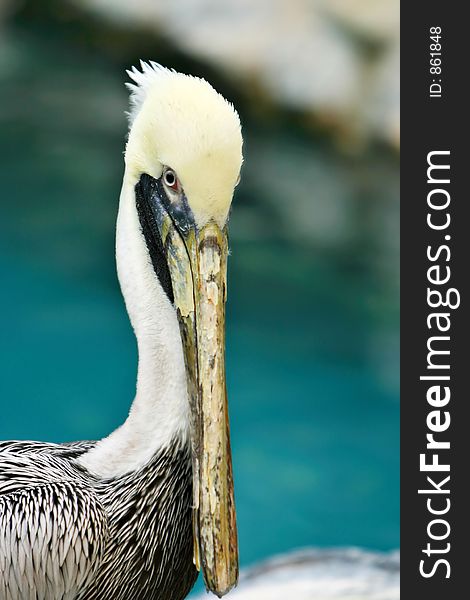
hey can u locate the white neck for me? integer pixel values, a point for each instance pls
(160, 411)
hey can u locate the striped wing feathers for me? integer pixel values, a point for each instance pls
(51, 540)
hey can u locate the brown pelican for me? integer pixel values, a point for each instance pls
(137, 514)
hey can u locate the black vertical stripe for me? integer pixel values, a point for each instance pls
(145, 189)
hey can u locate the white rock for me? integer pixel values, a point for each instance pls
(308, 55)
(341, 574)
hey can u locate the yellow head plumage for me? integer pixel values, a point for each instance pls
(181, 122)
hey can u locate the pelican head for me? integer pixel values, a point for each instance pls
(182, 163)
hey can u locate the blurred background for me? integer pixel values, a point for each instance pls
(313, 338)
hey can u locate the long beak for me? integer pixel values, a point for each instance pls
(197, 262)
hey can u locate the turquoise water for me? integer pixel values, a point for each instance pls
(312, 324)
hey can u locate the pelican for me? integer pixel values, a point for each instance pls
(137, 514)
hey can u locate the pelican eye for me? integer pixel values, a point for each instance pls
(170, 179)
